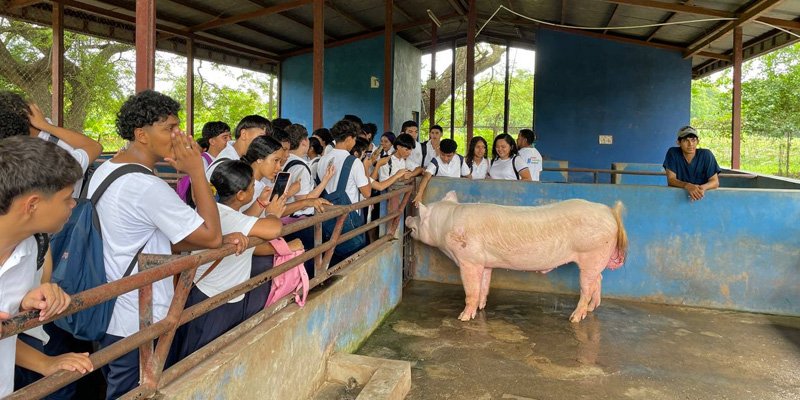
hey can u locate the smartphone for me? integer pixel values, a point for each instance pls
(368, 153)
(281, 182)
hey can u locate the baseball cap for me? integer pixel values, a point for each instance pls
(687, 131)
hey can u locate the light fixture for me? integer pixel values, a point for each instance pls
(434, 19)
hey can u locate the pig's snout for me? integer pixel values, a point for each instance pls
(413, 223)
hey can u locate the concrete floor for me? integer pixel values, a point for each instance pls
(524, 347)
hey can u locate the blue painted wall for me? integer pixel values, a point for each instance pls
(346, 88)
(735, 249)
(586, 87)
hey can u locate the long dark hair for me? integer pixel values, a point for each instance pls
(230, 177)
(260, 148)
(471, 149)
(509, 140)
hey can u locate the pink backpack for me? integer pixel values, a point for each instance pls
(185, 184)
(294, 280)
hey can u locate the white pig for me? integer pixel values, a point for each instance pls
(479, 237)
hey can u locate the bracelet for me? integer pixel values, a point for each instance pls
(264, 206)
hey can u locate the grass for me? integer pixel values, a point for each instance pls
(759, 154)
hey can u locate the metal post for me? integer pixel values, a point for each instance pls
(145, 44)
(432, 96)
(388, 49)
(57, 76)
(736, 108)
(472, 17)
(319, 61)
(190, 86)
(506, 104)
(453, 93)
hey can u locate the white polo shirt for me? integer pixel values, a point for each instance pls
(16, 279)
(415, 158)
(430, 153)
(300, 173)
(358, 178)
(480, 169)
(139, 210)
(80, 155)
(258, 187)
(386, 171)
(233, 269)
(454, 169)
(503, 169)
(228, 153)
(533, 160)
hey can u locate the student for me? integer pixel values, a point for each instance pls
(313, 154)
(448, 165)
(233, 180)
(38, 199)
(526, 140)
(216, 135)
(81, 147)
(325, 138)
(415, 160)
(476, 159)
(300, 171)
(281, 136)
(141, 213)
(281, 123)
(265, 156)
(431, 146)
(397, 164)
(386, 147)
(506, 163)
(356, 120)
(249, 128)
(690, 168)
(368, 132)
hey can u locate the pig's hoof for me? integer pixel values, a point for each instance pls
(578, 315)
(482, 305)
(467, 315)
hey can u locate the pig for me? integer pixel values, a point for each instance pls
(479, 237)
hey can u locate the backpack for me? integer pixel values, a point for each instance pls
(460, 158)
(295, 280)
(292, 163)
(184, 186)
(42, 245)
(424, 153)
(78, 260)
(353, 219)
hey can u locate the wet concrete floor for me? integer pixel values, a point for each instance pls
(524, 347)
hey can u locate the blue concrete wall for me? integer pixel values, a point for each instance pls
(735, 249)
(346, 88)
(587, 87)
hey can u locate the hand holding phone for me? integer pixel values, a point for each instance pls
(281, 182)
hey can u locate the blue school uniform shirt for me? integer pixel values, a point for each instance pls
(698, 172)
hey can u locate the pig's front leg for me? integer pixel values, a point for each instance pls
(487, 279)
(589, 280)
(471, 277)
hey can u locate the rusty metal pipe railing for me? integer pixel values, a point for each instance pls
(152, 360)
(651, 173)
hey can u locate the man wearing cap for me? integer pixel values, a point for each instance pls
(690, 168)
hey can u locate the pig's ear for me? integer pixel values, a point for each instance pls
(451, 196)
(423, 211)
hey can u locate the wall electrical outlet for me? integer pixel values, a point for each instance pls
(606, 139)
(374, 83)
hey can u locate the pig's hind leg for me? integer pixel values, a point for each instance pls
(485, 282)
(590, 290)
(471, 277)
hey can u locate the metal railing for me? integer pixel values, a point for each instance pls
(154, 268)
(595, 173)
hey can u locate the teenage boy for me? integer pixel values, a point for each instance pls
(300, 172)
(249, 128)
(448, 165)
(215, 137)
(690, 168)
(430, 147)
(84, 149)
(35, 196)
(141, 213)
(415, 160)
(526, 140)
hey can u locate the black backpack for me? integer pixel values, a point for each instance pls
(460, 158)
(42, 245)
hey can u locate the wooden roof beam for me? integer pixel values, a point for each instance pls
(14, 4)
(347, 16)
(748, 14)
(681, 8)
(218, 22)
(611, 18)
(669, 18)
(458, 7)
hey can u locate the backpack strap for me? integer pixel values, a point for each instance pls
(42, 245)
(292, 163)
(207, 157)
(435, 163)
(217, 162)
(424, 153)
(341, 186)
(208, 271)
(514, 166)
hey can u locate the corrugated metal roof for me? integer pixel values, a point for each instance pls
(262, 40)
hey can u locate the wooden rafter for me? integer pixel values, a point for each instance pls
(669, 18)
(516, 28)
(611, 18)
(748, 14)
(218, 22)
(457, 7)
(298, 21)
(347, 16)
(408, 16)
(563, 12)
(14, 4)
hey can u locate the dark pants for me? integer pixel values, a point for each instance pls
(122, 374)
(204, 329)
(22, 376)
(255, 299)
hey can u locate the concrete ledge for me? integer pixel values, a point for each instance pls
(385, 379)
(285, 356)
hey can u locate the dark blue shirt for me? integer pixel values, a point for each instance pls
(698, 172)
